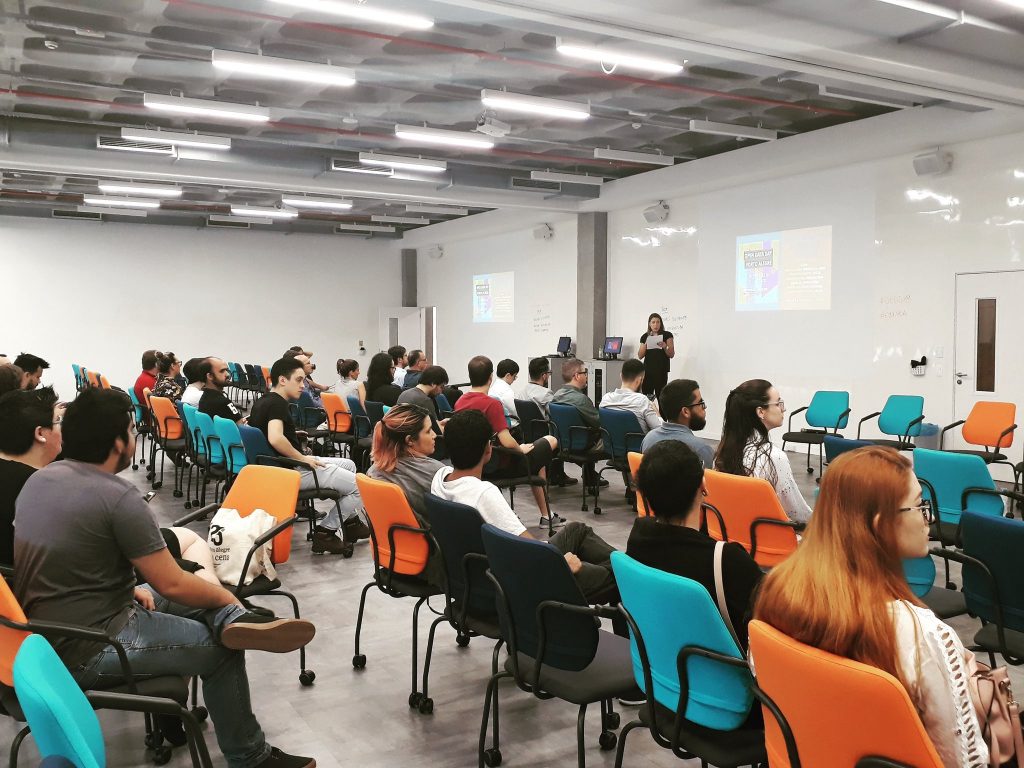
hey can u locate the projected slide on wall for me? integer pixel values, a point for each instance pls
(494, 298)
(784, 270)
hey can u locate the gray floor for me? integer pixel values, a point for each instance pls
(354, 717)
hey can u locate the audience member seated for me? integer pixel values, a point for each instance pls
(538, 453)
(403, 444)
(400, 360)
(81, 533)
(348, 381)
(30, 438)
(752, 410)
(270, 415)
(418, 363)
(32, 367)
(216, 376)
(501, 389)
(537, 388)
(147, 379)
(628, 397)
(844, 591)
(469, 446)
(193, 392)
(11, 378)
(168, 371)
(311, 386)
(671, 480)
(380, 386)
(574, 393)
(5, 360)
(430, 384)
(685, 412)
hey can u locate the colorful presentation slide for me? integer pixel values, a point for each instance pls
(785, 270)
(494, 298)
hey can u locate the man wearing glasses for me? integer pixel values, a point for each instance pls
(574, 393)
(685, 412)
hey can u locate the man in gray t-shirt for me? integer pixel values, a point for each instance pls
(80, 533)
(432, 382)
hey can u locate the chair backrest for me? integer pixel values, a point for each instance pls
(442, 403)
(673, 612)
(456, 529)
(564, 417)
(338, 417)
(94, 379)
(103, 382)
(62, 720)
(195, 438)
(741, 501)
(165, 417)
(275, 490)
(375, 412)
(950, 474)
(837, 446)
(530, 572)
(208, 434)
(827, 409)
(839, 710)
(308, 418)
(997, 542)
(230, 440)
(77, 370)
(255, 444)
(898, 412)
(530, 418)
(140, 410)
(986, 423)
(920, 574)
(634, 459)
(624, 431)
(386, 506)
(10, 638)
(360, 421)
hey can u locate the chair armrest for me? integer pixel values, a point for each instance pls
(391, 543)
(1008, 431)
(638, 439)
(874, 761)
(588, 431)
(548, 606)
(682, 659)
(705, 508)
(843, 415)
(789, 424)
(198, 514)
(358, 418)
(906, 434)
(866, 418)
(260, 540)
(517, 456)
(467, 577)
(1002, 492)
(784, 727)
(315, 409)
(545, 422)
(945, 429)
(758, 521)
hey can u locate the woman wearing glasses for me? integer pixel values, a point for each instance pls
(752, 410)
(843, 591)
(657, 348)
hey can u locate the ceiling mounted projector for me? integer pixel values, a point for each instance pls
(656, 213)
(543, 232)
(492, 126)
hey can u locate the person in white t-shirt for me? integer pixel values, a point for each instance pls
(468, 437)
(401, 360)
(501, 389)
(194, 391)
(628, 397)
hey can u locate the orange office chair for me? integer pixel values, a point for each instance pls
(95, 380)
(103, 382)
(746, 509)
(169, 436)
(990, 425)
(339, 419)
(401, 548)
(266, 377)
(276, 491)
(840, 712)
(634, 458)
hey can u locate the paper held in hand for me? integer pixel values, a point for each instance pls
(653, 340)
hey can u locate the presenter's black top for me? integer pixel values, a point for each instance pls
(656, 362)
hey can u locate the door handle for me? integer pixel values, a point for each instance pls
(962, 375)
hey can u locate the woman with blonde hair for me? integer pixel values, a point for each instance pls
(844, 591)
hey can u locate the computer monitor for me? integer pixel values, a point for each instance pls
(564, 343)
(612, 346)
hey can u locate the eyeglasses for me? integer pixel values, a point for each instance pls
(583, 372)
(926, 509)
(699, 403)
(780, 402)
(58, 421)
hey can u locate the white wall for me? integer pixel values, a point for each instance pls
(100, 294)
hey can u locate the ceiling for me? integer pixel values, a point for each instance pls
(76, 73)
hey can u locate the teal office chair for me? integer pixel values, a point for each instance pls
(215, 466)
(944, 602)
(900, 418)
(828, 410)
(141, 426)
(79, 378)
(230, 440)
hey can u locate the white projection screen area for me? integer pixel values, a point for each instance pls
(494, 298)
(785, 270)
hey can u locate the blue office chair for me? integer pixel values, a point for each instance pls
(828, 410)
(901, 417)
(624, 435)
(944, 602)
(362, 428)
(443, 406)
(574, 438)
(230, 440)
(836, 446)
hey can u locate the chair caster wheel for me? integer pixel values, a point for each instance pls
(162, 755)
(950, 585)
(492, 757)
(348, 553)
(810, 471)
(426, 707)
(462, 640)
(188, 505)
(177, 494)
(154, 740)
(157, 486)
(309, 537)
(359, 660)
(597, 510)
(415, 698)
(307, 676)
(607, 740)
(200, 714)
(611, 721)
(135, 467)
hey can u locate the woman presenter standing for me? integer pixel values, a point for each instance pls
(657, 347)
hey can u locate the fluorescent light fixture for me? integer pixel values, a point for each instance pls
(566, 178)
(445, 138)
(842, 93)
(950, 14)
(1018, 174)
(108, 212)
(282, 69)
(438, 209)
(318, 203)
(206, 108)
(403, 163)
(633, 157)
(177, 138)
(398, 220)
(361, 13)
(618, 58)
(727, 129)
(341, 228)
(534, 105)
(120, 202)
(267, 213)
(139, 189)
(240, 219)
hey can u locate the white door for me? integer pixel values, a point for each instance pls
(987, 364)
(402, 325)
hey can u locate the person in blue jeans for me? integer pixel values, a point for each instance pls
(81, 533)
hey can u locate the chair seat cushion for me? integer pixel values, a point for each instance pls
(610, 674)
(988, 638)
(725, 749)
(810, 438)
(946, 533)
(578, 457)
(261, 585)
(412, 586)
(324, 494)
(899, 445)
(946, 603)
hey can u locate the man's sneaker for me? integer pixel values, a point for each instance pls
(279, 759)
(557, 521)
(255, 632)
(354, 529)
(632, 702)
(328, 543)
(564, 480)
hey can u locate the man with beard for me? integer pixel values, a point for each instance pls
(685, 412)
(215, 376)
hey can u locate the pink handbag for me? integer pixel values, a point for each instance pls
(998, 713)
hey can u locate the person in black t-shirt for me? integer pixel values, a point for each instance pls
(216, 376)
(671, 480)
(30, 438)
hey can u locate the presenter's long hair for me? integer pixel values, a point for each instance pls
(661, 323)
(835, 592)
(393, 433)
(740, 424)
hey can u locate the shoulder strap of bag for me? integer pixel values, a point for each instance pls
(720, 594)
